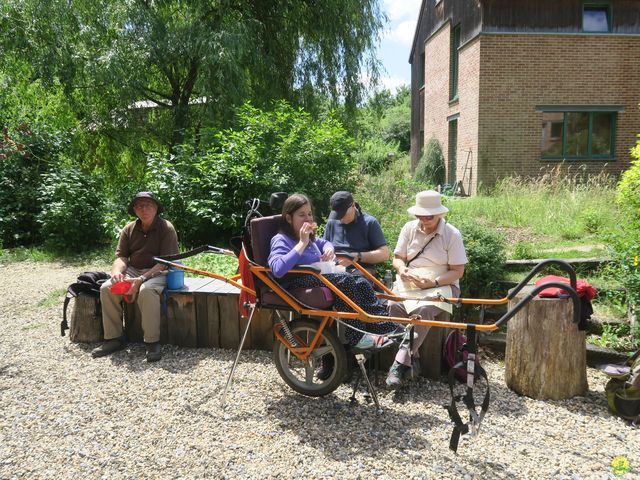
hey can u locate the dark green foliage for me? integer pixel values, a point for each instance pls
(374, 155)
(430, 168)
(626, 244)
(25, 155)
(279, 150)
(396, 126)
(73, 210)
(486, 254)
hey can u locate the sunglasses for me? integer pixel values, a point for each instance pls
(425, 217)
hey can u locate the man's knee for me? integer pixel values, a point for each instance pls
(396, 309)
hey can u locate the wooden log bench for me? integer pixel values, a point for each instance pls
(205, 314)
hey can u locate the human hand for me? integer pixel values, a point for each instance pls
(405, 274)
(117, 277)
(306, 230)
(422, 283)
(328, 253)
(135, 285)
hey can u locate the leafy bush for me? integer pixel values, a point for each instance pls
(524, 250)
(592, 220)
(73, 213)
(486, 254)
(430, 168)
(396, 126)
(25, 155)
(626, 244)
(374, 155)
(284, 149)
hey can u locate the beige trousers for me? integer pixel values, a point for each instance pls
(148, 300)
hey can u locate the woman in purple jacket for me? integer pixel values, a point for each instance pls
(296, 244)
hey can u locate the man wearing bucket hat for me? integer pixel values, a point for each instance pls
(349, 229)
(430, 254)
(141, 240)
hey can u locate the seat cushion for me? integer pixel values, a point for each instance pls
(316, 297)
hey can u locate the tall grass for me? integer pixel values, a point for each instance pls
(556, 206)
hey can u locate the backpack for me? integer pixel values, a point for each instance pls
(454, 351)
(88, 283)
(623, 388)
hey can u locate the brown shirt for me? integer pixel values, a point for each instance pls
(139, 247)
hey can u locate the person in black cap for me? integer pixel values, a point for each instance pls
(141, 240)
(351, 230)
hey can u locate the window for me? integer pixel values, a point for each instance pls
(596, 18)
(421, 72)
(453, 65)
(578, 135)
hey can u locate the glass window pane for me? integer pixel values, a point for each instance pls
(552, 127)
(601, 135)
(577, 134)
(595, 19)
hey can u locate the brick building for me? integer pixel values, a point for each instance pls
(513, 87)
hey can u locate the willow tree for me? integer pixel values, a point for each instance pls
(164, 67)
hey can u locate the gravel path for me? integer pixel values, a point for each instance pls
(66, 415)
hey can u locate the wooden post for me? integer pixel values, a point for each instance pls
(546, 356)
(182, 329)
(86, 320)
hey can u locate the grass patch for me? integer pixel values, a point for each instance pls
(53, 298)
(215, 263)
(32, 326)
(616, 336)
(38, 254)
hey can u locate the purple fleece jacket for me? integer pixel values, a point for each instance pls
(282, 256)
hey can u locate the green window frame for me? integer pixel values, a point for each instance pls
(578, 134)
(597, 6)
(454, 66)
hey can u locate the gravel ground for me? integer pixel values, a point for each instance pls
(66, 415)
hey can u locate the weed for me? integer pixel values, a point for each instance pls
(53, 298)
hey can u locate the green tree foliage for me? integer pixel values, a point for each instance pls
(282, 149)
(25, 155)
(383, 130)
(627, 244)
(73, 212)
(430, 169)
(191, 61)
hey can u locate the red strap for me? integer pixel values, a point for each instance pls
(247, 281)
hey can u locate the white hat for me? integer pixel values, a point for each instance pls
(428, 203)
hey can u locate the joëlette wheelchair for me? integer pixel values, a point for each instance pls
(308, 332)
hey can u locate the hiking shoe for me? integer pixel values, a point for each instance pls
(108, 347)
(372, 342)
(325, 367)
(154, 351)
(395, 378)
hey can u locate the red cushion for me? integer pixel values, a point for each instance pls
(583, 289)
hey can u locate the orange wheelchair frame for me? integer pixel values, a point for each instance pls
(306, 340)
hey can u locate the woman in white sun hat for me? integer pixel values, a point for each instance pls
(429, 255)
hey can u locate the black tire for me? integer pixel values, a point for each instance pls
(301, 376)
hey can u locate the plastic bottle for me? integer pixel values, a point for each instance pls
(388, 279)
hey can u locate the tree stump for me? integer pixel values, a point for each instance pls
(86, 320)
(546, 355)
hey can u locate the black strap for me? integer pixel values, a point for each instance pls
(474, 371)
(421, 250)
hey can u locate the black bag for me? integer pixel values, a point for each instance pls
(88, 283)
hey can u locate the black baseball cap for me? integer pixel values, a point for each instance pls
(340, 203)
(143, 195)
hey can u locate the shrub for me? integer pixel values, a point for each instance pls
(73, 213)
(25, 155)
(430, 168)
(374, 155)
(486, 254)
(283, 149)
(626, 244)
(396, 126)
(524, 250)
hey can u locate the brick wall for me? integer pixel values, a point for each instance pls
(504, 77)
(518, 72)
(438, 107)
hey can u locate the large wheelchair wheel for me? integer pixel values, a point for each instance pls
(301, 376)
